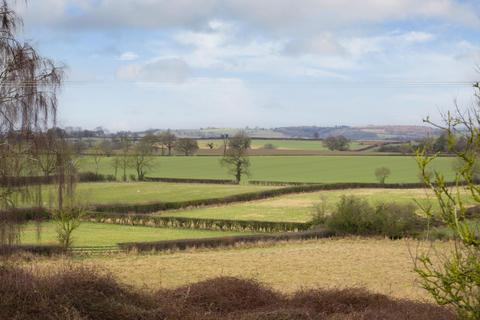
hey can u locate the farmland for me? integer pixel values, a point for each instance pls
(96, 234)
(323, 169)
(285, 266)
(315, 145)
(299, 207)
(141, 192)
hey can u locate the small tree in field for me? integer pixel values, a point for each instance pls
(381, 174)
(97, 154)
(141, 160)
(186, 146)
(455, 281)
(339, 143)
(236, 156)
(67, 221)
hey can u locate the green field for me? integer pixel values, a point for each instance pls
(288, 168)
(280, 144)
(97, 234)
(142, 192)
(299, 207)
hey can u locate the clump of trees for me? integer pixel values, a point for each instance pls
(186, 146)
(455, 281)
(356, 216)
(382, 174)
(236, 156)
(338, 143)
(167, 142)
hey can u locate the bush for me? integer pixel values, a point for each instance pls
(132, 177)
(356, 216)
(269, 146)
(89, 176)
(84, 293)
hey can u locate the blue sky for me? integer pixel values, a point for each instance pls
(138, 64)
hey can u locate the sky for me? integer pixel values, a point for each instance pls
(140, 64)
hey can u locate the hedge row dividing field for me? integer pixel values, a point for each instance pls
(299, 207)
(316, 169)
(221, 242)
(99, 234)
(94, 193)
(199, 223)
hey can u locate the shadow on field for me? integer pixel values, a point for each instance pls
(83, 293)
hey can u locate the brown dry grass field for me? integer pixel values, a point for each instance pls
(380, 265)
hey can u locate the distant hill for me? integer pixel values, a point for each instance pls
(311, 132)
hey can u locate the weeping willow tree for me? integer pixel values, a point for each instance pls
(28, 105)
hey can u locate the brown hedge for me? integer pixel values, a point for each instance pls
(198, 223)
(84, 293)
(221, 241)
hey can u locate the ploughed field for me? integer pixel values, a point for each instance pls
(300, 207)
(312, 169)
(99, 234)
(312, 145)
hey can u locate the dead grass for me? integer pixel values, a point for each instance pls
(380, 265)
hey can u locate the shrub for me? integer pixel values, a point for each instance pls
(269, 146)
(132, 177)
(84, 293)
(356, 216)
(89, 176)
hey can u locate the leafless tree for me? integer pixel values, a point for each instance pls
(168, 140)
(236, 157)
(141, 159)
(28, 103)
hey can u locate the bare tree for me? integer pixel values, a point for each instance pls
(44, 154)
(236, 157)
(142, 158)
(186, 146)
(168, 139)
(97, 154)
(125, 155)
(115, 163)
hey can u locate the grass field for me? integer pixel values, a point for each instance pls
(288, 168)
(280, 144)
(285, 266)
(298, 207)
(141, 192)
(98, 234)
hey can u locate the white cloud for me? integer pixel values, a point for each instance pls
(128, 56)
(417, 37)
(168, 70)
(271, 14)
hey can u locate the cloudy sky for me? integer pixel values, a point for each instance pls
(138, 64)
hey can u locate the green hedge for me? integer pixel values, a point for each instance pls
(196, 223)
(221, 241)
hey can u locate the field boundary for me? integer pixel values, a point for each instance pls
(190, 180)
(198, 223)
(221, 241)
(259, 195)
